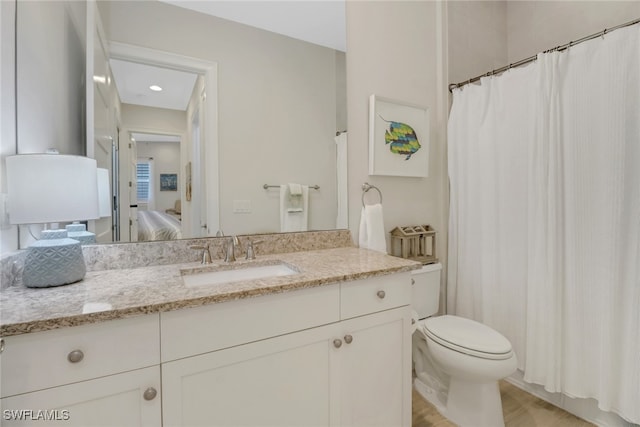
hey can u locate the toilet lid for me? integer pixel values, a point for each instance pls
(467, 336)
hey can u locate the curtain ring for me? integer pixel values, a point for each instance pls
(603, 33)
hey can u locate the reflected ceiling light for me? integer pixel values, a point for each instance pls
(155, 88)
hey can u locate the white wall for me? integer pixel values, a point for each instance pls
(166, 159)
(277, 107)
(535, 26)
(477, 39)
(50, 76)
(139, 118)
(50, 41)
(395, 50)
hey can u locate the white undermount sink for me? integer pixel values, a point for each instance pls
(229, 274)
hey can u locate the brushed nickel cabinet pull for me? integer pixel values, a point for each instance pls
(348, 339)
(150, 393)
(381, 294)
(337, 343)
(75, 356)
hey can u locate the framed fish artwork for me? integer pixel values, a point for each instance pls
(398, 138)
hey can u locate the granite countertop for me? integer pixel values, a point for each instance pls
(113, 294)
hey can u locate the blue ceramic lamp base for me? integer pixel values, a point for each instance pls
(53, 260)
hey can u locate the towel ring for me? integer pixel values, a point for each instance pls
(366, 187)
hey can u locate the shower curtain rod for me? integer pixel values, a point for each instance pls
(534, 57)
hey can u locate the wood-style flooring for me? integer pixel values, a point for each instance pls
(520, 409)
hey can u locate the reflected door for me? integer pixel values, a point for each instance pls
(198, 199)
(101, 129)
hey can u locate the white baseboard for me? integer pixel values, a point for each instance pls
(586, 409)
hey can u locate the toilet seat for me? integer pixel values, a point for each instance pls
(467, 336)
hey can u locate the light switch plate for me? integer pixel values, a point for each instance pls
(242, 206)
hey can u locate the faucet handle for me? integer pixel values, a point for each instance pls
(251, 254)
(230, 253)
(206, 255)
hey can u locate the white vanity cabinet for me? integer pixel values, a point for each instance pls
(128, 399)
(334, 371)
(282, 381)
(375, 370)
(106, 373)
(331, 355)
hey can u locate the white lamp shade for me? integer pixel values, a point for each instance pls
(45, 188)
(104, 193)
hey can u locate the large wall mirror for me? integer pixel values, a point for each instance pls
(260, 108)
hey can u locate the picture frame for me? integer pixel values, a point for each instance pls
(168, 182)
(398, 138)
(188, 181)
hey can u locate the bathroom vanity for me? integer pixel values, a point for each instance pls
(327, 346)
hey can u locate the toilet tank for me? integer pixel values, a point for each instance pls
(426, 290)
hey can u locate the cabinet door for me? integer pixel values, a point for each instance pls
(115, 400)
(375, 370)
(282, 381)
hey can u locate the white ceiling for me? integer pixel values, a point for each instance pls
(133, 81)
(320, 22)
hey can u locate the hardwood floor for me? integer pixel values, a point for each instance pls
(520, 409)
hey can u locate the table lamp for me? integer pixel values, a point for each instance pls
(52, 188)
(79, 231)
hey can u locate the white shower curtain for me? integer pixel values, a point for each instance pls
(544, 165)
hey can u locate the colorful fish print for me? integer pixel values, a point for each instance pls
(401, 138)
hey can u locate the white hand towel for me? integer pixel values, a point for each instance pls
(295, 190)
(372, 234)
(293, 218)
(295, 202)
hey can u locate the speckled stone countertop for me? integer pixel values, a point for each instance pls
(112, 294)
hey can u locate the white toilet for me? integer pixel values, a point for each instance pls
(457, 361)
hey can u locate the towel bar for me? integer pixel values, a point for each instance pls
(366, 187)
(315, 187)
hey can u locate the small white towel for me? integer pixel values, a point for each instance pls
(295, 200)
(295, 190)
(372, 234)
(294, 211)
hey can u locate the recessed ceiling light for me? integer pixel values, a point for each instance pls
(155, 88)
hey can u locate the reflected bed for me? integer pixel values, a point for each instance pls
(156, 225)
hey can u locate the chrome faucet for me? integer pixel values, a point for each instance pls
(232, 243)
(206, 254)
(251, 253)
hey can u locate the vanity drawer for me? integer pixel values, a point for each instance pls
(374, 294)
(40, 360)
(198, 330)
